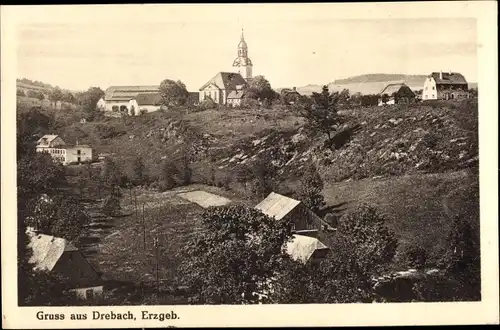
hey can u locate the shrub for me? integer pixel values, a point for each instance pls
(111, 205)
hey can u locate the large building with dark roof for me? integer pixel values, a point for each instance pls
(445, 86)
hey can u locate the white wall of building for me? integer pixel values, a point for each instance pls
(430, 91)
(138, 108)
(88, 293)
(218, 95)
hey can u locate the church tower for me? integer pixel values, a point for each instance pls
(242, 62)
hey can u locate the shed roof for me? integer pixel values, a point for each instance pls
(149, 99)
(127, 93)
(226, 80)
(453, 78)
(301, 248)
(47, 250)
(277, 206)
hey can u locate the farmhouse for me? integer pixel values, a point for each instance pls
(396, 93)
(281, 207)
(445, 86)
(117, 98)
(62, 152)
(234, 98)
(56, 255)
(219, 87)
(144, 103)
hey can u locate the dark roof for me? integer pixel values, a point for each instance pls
(149, 99)
(393, 88)
(127, 93)
(454, 78)
(226, 80)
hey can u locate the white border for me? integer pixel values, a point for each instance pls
(482, 312)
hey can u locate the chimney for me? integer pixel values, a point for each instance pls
(294, 89)
(76, 141)
(450, 72)
(441, 75)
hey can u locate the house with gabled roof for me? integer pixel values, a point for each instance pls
(63, 152)
(117, 98)
(396, 93)
(445, 86)
(221, 85)
(145, 103)
(58, 256)
(302, 218)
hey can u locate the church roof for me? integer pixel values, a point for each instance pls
(453, 78)
(127, 93)
(225, 80)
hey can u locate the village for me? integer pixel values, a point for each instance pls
(132, 238)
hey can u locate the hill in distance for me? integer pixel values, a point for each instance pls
(370, 83)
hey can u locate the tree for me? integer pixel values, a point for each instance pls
(260, 89)
(168, 174)
(88, 101)
(235, 255)
(139, 171)
(60, 216)
(20, 92)
(173, 92)
(322, 115)
(263, 176)
(55, 95)
(112, 175)
(68, 97)
(310, 190)
(364, 233)
(111, 205)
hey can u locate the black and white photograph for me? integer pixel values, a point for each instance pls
(245, 154)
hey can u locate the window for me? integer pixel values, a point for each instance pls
(115, 108)
(433, 88)
(78, 152)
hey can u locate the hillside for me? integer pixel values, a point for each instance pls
(381, 77)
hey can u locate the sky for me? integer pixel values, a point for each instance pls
(290, 47)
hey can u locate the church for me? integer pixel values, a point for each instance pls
(228, 87)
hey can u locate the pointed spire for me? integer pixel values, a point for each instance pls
(242, 37)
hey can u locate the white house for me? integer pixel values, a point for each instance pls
(63, 152)
(445, 86)
(117, 98)
(144, 103)
(60, 257)
(306, 249)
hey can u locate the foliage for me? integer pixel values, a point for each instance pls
(322, 115)
(260, 89)
(173, 92)
(168, 174)
(88, 101)
(111, 205)
(262, 178)
(310, 190)
(35, 94)
(234, 256)
(369, 100)
(364, 233)
(139, 175)
(59, 216)
(207, 103)
(112, 175)
(20, 92)
(415, 257)
(56, 95)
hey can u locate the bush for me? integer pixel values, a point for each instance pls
(111, 205)
(415, 257)
(207, 104)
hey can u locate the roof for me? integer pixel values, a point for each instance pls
(235, 95)
(392, 88)
(301, 248)
(126, 93)
(149, 99)
(454, 78)
(49, 138)
(277, 206)
(47, 250)
(226, 80)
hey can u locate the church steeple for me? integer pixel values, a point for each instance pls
(242, 61)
